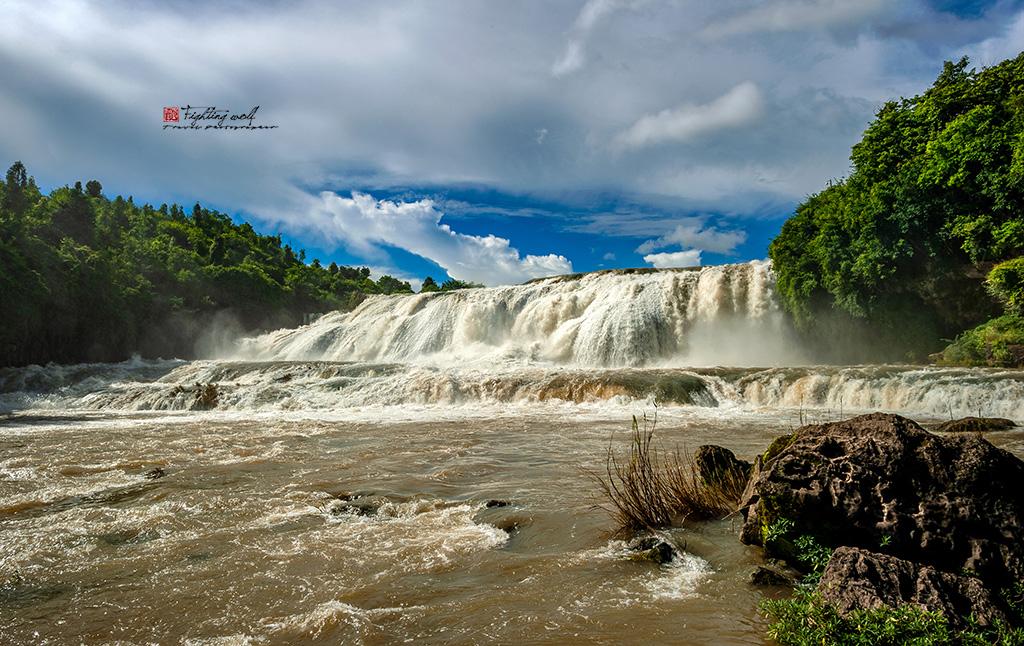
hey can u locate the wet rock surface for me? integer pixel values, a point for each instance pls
(651, 548)
(773, 575)
(504, 515)
(919, 518)
(856, 578)
(975, 425)
(716, 462)
(357, 504)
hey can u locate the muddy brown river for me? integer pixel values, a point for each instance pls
(285, 528)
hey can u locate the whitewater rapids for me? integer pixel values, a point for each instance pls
(613, 342)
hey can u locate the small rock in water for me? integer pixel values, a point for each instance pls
(359, 503)
(154, 474)
(770, 575)
(715, 463)
(508, 525)
(651, 548)
(490, 504)
(975, 425)
(207, 396)
(357, 508)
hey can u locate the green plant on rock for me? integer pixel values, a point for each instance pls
(999, 342)
(777, 446)
(813, 556)
(805, 619)
(1014, 598)
(776, 531)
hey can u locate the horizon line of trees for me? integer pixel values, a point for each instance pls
(87, 278)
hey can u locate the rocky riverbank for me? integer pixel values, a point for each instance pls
(902, 533)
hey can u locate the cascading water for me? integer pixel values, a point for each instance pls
(618, 338)
(723, 315)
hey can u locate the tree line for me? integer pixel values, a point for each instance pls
(88, 278)
(923, 241)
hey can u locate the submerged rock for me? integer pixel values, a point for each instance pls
(357, 504)
(881, 482)
(511, 525)
(856, 578)
(975, 425)
(154, 474)
(490, 504)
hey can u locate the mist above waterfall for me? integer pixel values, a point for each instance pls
(719, 315)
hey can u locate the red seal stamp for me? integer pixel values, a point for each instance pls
(171, 114)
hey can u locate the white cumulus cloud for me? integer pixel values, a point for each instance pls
(739, 106)
(364, 224)
(688, 258)
(695, 235)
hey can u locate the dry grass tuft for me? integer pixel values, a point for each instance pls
(649, 490)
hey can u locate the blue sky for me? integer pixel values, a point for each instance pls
(487, 141)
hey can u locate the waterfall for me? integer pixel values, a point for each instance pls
(712, 339)
(720, 315)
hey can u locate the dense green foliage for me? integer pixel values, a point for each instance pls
(933, 201)
(1006, 282)
(86, 278)
(806, 620)
(999, 342)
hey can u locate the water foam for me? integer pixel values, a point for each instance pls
(318, 387)
(676, 317)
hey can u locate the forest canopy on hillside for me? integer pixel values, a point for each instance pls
(87, 278)
(923, 239)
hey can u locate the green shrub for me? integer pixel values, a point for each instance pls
(1006, 282)
(934, 190)
(999, 342)
(806, 620)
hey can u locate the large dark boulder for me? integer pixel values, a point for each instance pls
(882, 483)
(859, 579)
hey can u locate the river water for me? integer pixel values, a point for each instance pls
(333, 486)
